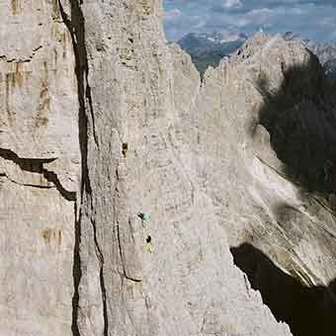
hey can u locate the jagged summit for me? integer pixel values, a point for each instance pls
(326, 52)
(208, 49)
(291, 36)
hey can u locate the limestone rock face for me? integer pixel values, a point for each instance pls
(173, 173)
(246, 109)
(154, 259)
(265, 147)
(39, 169)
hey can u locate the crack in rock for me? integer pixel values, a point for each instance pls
(76, 27)
(125, 274)
(21, 60)
(34, 165)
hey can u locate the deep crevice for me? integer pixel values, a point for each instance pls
(76, 273)
(100, 258)
(90, 103)
(103, 289)
(52, 177)
(76, 27)
(33, 165)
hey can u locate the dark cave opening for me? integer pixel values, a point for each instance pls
(309, 311)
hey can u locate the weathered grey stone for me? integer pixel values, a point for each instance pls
(256, 193)
(174, 172)
(39, 169)
(38, 89)
(188, 284)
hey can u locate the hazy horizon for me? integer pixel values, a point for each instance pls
(314, 19)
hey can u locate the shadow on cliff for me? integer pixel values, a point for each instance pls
(300, 117)
(307, 311)
(301, 120)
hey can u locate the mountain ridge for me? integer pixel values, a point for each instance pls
(208, 49)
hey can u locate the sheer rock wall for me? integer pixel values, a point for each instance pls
(124, 181)
(39, 169)
(247, 173)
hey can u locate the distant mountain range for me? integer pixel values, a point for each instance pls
(207, 49)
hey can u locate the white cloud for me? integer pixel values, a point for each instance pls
(314, 19)
(259, 16)
(232, 4)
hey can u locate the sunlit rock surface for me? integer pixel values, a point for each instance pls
(265, 149)
(39, 169)
(125, 181)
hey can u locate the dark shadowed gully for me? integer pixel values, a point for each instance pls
(309, 311)
(301, 120)
(76, 26)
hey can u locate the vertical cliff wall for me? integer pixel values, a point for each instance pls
(124, 181)
(266, 136)
(152, 258)
(39, 169)
(265, 153)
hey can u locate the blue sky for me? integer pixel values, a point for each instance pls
(314, 19)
